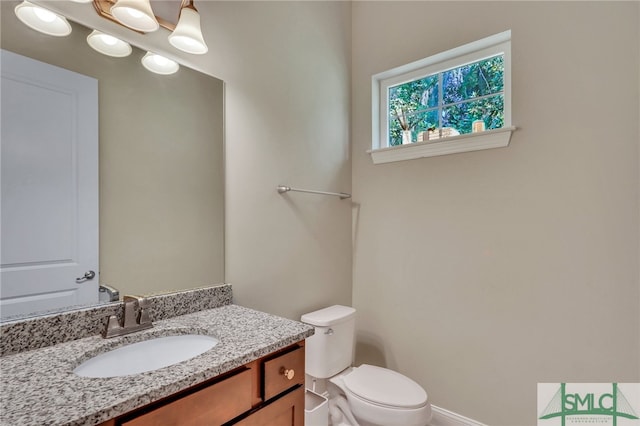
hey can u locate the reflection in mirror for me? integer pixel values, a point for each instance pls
(160, 164)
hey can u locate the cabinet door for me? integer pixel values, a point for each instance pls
(285, 411)
(213, 405)
(283, 372)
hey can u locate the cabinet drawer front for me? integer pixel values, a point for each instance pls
(283, 372)
(212, 405)
(285, 411)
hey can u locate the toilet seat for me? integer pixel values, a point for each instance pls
(384, 387)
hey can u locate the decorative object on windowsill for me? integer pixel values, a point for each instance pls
(406, 137)
(405, 125)
(424, 136)
(443, 132)
(477, 126)
(433, 133)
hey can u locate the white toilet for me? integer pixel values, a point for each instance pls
(375, 396)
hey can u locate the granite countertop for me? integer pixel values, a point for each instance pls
(39, 387)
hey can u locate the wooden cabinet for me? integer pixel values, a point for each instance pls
(266, 392)
(282, 372)
(215, 404)
(288, 410)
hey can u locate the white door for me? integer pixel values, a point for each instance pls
(49, 187)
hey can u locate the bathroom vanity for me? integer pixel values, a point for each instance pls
(253, 375)
(267, 391)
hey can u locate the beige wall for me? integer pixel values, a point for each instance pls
(477, 274)
(484, 273)
(286, 67)
(161, 163)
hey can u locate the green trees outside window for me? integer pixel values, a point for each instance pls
(453, 98)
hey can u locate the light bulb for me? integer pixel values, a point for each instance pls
(190, 41)
(44, 15)
(109, 40)
(159, 64)
(188, 35)
(108, 44)
(134, 13)
(160, 60)
(42, 20)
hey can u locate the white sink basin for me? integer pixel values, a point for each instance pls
(144, 356)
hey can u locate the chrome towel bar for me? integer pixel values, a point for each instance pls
(282, 189)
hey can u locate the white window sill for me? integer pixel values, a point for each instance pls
(497, 138)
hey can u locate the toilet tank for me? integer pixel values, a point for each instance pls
(330, 349)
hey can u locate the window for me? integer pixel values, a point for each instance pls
(455, 101)
(460, 100)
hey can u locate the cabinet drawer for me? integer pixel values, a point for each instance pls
(285, 411)
(283, 372)
(213, 405)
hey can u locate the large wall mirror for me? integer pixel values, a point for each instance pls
(161, 163)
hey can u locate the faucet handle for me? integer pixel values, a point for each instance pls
(112, 328)
(143, 306)
(144, 317)
(143, 302)
(131, 322)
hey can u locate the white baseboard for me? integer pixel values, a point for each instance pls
(442, 417)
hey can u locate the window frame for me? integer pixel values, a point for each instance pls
(498, 44)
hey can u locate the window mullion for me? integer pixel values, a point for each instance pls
(477, 98)
(440, 100)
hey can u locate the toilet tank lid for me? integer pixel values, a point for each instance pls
(328, 316)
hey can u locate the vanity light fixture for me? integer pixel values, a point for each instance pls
(135, 14)
(108, 44)
(159, 64)
(188, 34)
(42, 20)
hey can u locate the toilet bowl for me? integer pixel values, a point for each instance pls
(375, 396)
(379, 396)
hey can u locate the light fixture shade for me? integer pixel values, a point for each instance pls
(159, 64)
(136, 14)
(108, 44)
(188, 36)
(42, 20)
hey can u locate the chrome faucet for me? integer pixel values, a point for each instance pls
(131, 322)
(106, 293)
